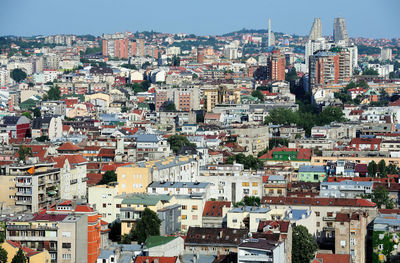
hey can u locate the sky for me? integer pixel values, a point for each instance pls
(364, 18)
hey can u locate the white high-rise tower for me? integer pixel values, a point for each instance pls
(269, 32)
(316, 30)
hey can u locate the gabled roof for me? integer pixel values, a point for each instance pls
(68, 146)
(220, 236)
(28, 251)
(214, 208)
(72, 159)
(282, 226)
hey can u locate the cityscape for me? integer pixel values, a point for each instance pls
(246, 146)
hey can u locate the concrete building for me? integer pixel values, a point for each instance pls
(31, 187)
(261, 250)
(316, 30)
(386, 53)
(179, 188)
(339, 30)
(351, 234)
(345, 189)
(253, 139)
(104, 199)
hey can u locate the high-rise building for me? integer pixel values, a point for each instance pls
(339, 30)
(271, 37)
(323, 69)
(386, 53)
(276, 66)
(119, 48)
(316, 30)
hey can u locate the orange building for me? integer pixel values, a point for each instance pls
(276, 66)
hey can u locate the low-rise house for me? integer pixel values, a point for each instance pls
(214, 213)
(261, 250)
(211, 241)
(312, 173)
(132, 207)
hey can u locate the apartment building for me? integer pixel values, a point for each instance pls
(30, 187)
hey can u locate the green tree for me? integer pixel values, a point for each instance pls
(54, 93)
(249, 201)
(170, 107)
(148, 225)
(370, 71)
(291, 75)
(108, 177)
(382, 168)
(24, 152)
(249, 161)
(27, 114)
(178, 141)
(3, 255)
(115, 231)
(303, 245)
(19, 257)
(126, 239)
(372, 168)
(129, 66)
(330, 114)
(36, 112)
(176, 61)
(18, 75)
(258, 94)
(381, 197)
(392, 169)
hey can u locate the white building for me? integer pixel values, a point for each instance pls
(261, 250)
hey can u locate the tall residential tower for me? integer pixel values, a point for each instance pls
(316, 30)
(339, 30)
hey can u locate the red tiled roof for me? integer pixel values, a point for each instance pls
(93, 178)
(68, 146)
(333, 258)
(28, 251)
(315, 201)
(49, 217)
(214, 208)
(112, 166)
(365, 141)
(389, 211)
(342, 217)
(144, 259)
(72, 159)
(106, 152)
(83, 208)
(282, 225)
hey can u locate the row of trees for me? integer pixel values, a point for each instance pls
(19, 257)
(305, 117)
(381, 169)
(139, 87)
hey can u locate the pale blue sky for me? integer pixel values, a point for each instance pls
(370, 18)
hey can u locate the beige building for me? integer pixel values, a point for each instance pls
(30, 187)
(351, 234)
(104, 199)
(191, 210)
(32, 256)
(254, 139)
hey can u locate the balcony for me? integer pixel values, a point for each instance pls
(18, 184)
(23, 202)
(73, 181)
(23, 193)
(328, 218)
(328, 228)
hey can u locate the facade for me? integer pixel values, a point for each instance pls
(261, 250)
(276, 66)
(132, 207)
(345, 189)
(311, 173)
(32, 187)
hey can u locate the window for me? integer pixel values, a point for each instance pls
(118, 205)
(194, 207)
(245, 184)
(255, 192)
(352, 242)
(316, 213)
(318, 224)
(234, 220)
(194, 217)
(66, 256)
(329, 214)
(184, 217)
(66, 245)
(66, 234)
(246, 191)
(254, 184)
(104, 205)
(184, 207)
